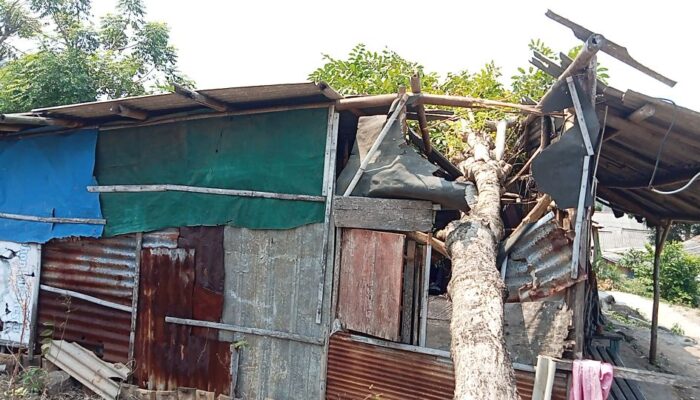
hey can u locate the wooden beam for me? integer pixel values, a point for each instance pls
(198, 189)
(128, 112)
(54, 220)
(642, 113)
(424, 238)
(661, 235)
(422, 120)
(87, 298)
(471, 102)
(434, 156)
(202, 99)
(383, 214)
(250, 331)
(16, 119)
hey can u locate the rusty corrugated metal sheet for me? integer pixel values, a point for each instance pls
(103, 268)
(170, 355)
(357, 371)
(539, 264)
(371, 274)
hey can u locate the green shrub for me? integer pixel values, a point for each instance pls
(678, 273)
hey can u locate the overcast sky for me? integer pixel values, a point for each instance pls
(235, 43)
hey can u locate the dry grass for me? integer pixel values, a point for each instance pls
(31, 388)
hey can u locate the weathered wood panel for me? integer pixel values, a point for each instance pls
(383, 214)
(271, 283)
(371, 272)
(530, 328)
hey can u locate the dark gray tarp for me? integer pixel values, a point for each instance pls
(398, 170)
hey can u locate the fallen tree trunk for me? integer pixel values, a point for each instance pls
(483, 369)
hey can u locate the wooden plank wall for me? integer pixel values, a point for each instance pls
(370, 291)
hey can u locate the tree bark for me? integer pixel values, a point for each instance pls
(483, 368)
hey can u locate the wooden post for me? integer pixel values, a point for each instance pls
(661, 235)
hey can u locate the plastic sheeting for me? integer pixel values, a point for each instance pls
(280, 152)
(47, 176)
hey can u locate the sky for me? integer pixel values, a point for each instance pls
(239, 43)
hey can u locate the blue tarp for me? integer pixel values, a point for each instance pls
(47, 176)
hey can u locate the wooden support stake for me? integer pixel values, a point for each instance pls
(661, 235)
(202, 99)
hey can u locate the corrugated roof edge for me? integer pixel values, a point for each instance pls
(147, 108)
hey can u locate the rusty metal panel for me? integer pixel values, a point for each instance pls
(169, 355)
(103, 268)
(539, 264)
(167, 238)
(100, 329)
(208, 243)
(371, 272)
(272, 277)
(361, 371)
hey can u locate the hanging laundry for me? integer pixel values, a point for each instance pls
(591, 380)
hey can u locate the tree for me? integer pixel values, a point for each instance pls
(679, 232)
(678, 273)
(15, 22)
(476, 288)
(75, 60)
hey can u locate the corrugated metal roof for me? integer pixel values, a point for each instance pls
(360, 370)
(630, 150)
(539, 264)
(238, 98)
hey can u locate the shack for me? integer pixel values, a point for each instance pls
(282, 241)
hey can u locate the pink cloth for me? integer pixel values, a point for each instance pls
(591, 380)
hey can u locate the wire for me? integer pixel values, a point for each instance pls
(658, 157)
(680, 189)
(663, 141)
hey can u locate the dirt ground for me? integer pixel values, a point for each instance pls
(678, 354)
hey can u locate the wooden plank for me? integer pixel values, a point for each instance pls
(54, 220)
(82, 296)
(383, 214)
(246, 330)
(407, 297)
(424, 296)
(199, 189)
(370, 282)
(424, 238)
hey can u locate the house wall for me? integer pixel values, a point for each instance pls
(272, 281)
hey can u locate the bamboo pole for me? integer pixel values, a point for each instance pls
(205, 190)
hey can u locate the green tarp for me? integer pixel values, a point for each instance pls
(281, 152)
